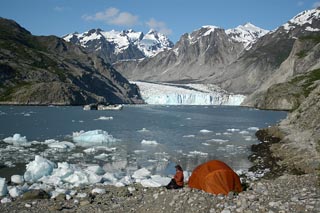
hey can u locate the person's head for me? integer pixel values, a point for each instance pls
(178, 167)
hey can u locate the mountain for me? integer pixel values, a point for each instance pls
(256, 67)
(247, 34)
(241, 60)
(49, 70)
(197, 56)
(125, 45)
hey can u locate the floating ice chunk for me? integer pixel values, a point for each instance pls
(93, 177)
(218, 140)
(18, 179)
(233, 130)
(189, 136)
(143, 130)
(198, 153)
(16, 140)
(6, 200)
(48, 141)
(64, 145)
(227, 133)
(15, 191)
(141, 173)
(253, 128)
(205, 131)
(244, 132)
(248, 138)
(109, 178)
(155, 181)
(92, 138)
(98, 191)
(104, 118)
(139, 151)
(99, 148)
(38, 168)
(64, 170)
(102, 156)
(127, 180)
(146, 142)
(95, 169)
(3, 187)
(206, 144)
(77, 178)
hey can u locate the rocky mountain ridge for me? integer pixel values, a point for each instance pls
(45, 70)
(214, 55)
(125, 45)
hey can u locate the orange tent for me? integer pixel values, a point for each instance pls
(215, 177)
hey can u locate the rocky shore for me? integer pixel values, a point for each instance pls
(280, 190)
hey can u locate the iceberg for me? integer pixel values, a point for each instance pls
(3, 187)
(18, 179)
(92, 138)
(187, 94)
(38, 168)
(17, 140)
(147, 142)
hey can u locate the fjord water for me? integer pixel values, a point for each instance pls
(188, 135)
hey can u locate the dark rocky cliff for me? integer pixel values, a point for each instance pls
(48, 70)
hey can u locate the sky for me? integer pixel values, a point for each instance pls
(171, 17)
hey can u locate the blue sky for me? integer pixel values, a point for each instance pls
(172, 17)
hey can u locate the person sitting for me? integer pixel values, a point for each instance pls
(177, 181)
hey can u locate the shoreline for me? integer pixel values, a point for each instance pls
(279, 190)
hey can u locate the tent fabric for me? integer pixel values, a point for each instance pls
(215, 177)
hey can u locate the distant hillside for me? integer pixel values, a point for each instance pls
(48, 70)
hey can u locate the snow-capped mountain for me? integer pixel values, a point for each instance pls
(309, 19)
(127, 44)
(246, 34)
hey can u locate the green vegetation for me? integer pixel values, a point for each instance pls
(313, 37)
(306, 81)
(9, 91)
(302, 54)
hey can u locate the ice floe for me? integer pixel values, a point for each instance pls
(3, 187)
(205, 131)
(253, 128)
(144, 130)
(17, 140)
(38, 168)
(18, 179)
(105, 118)
(218, 140)
(149, 142)
(93, 138)
(189, 136)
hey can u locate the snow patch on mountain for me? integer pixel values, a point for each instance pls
(186, 94)
(149, 44)
(304, 18)
(246, 34)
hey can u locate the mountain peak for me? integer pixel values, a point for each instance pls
(305, 18)
(146, 44)
(246, 34)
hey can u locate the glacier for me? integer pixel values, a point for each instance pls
(186, 94)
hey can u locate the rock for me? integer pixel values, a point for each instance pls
(35, 194)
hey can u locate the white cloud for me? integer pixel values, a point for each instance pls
(300, 3)
(113, 16)
(58, 9)
(159, 26)
(316, 4)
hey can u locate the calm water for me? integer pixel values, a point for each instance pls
(188, 135)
